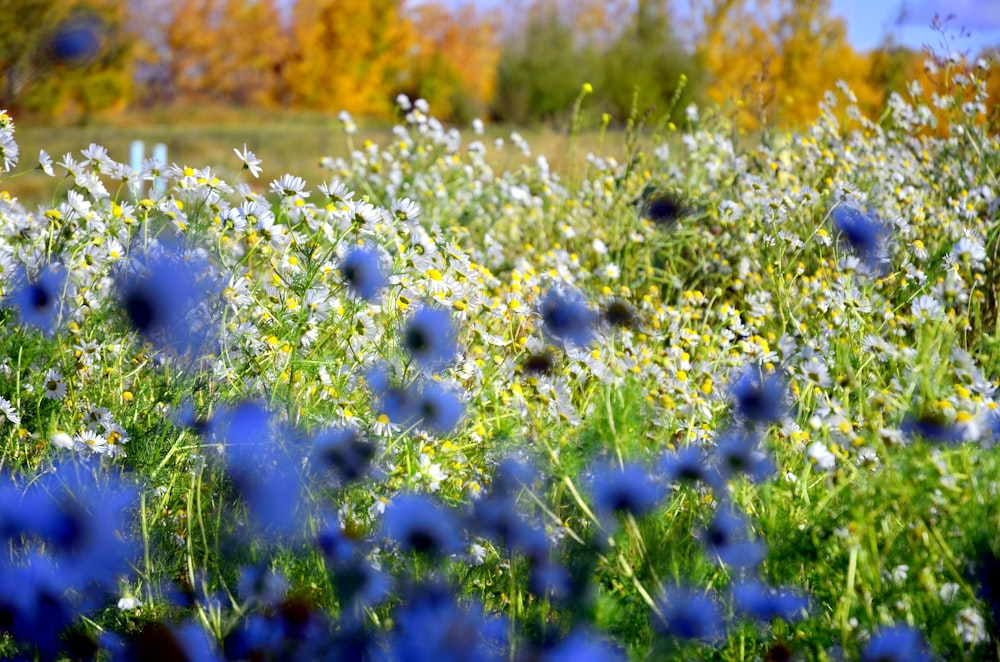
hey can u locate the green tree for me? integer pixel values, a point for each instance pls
(540, 72)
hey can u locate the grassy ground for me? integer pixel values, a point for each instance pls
(286, 142)
(699, 401)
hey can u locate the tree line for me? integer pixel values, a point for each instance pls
(770, 61)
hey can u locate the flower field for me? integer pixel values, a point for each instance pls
(718, 399)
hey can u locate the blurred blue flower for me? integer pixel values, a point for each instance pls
(582, 645)
(167, 298)
(758, 601)
(727, 539)
(759, 395)
(897, 643)
(38, 301)
(264, 475)
(431, 625)
(440, 409)
(76, 41)
(628, 490)
(497, 518)
(418, 524)
(862, 233)
(363, 274)
(187, 641)
(690, 614)
(739, 451)
(566, 318)
(688, 465)
(429, 337)
(343, 451)
(932, 427)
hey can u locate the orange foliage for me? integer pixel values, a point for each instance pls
(454, 61)
(778, 58)
(348, 55)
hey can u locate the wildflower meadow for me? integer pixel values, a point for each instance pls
(725, 398)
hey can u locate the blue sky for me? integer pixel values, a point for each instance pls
(909, 20)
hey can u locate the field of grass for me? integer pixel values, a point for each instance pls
(287, 142)
(695, 400)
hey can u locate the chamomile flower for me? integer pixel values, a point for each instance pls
(9, 412)
(54, 386)
(250, 161)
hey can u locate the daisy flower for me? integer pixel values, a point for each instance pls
(250, 161)
(55, 386)
(9, 412)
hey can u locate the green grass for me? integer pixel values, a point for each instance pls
(876, 360)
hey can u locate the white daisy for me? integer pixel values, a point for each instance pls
(54, 386)
(9, 412)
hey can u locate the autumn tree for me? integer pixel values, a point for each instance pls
(348, 55)
(221, 51)
(777, 58)
(453, 62)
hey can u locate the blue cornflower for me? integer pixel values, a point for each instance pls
(363, 273)
(628, 490)
(726, 538)
(166, 298)
(690, 614)
(931, 427)
(430, 339)
(39, 301)
(82, 522)
(764, 603)
(261, 585)
(431, 625)
(897, 643)
(343, 451)
(685, 465)
(440, 409)
(156, 641)
(77, 41)
(498, 518)
(738, 451)
(263, 474)
(759, 395)
(566, 318)
(583, 645)
(418, 524)
(861, 232)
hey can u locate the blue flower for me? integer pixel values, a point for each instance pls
(932, 427)
(759, 396)
(498, 518)
(430, 339)
(76, 41)
(166, 299)
(685, 465)
(690, 614)
(39, 301)
(439, 408)
(431, 625)
(897, 643)
(584, 646)
(420, 525)
(862, 233)
(343, 451)
(363, 274)
(264, 475)
(763, 603)
(726, 538)
(566, 318)
(738, 451)
(627, 490)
